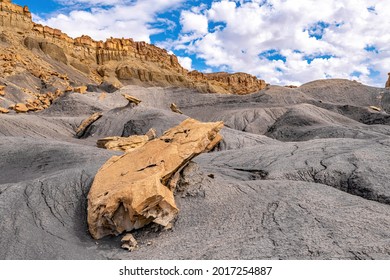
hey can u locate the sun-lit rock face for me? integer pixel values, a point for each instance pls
(118, 61)
(16, 16)
(135, 189)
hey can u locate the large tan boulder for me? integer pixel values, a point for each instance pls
(86, 123)
(131, 190)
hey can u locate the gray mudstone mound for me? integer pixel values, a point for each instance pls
(300, 174)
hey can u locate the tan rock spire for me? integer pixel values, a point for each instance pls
(388, 82)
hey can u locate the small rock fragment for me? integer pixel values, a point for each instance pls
(151, 134)
(68, 89)
(129, 242)
(375, 108)
(131, 99)
(4, 110)
(175, 109)
(131, 191)
(86, 123)
(21, 108)
(81, 89)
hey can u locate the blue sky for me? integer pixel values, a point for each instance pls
(281, 41)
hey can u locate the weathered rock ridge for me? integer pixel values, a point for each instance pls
(117, 61)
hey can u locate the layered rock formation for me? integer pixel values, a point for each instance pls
(58, 60)
(136, 189)
(126, 144)
(239, 83)
(388, 82)
(14, 16)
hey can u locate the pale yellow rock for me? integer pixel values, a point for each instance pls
(87, 122)
(68, 89)
(131, 99)
(175, 109)
(3, 110)
(21, 108)
(82, 89)
(102, 96)
(129, 242)
(130, 191)
(375, 108)
(126, 144)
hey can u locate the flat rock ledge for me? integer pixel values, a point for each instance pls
(135, 189)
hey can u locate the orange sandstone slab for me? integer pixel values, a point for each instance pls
(130, 191)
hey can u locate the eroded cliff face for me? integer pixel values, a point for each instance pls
(15, 16)
(51, 60)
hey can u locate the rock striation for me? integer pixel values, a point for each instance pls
(135, 189)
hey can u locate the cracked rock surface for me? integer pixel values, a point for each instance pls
(300, 174)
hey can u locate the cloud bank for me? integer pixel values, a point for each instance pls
(281, 41)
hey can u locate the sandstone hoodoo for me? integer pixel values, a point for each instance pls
(388, 82)
(134, 190)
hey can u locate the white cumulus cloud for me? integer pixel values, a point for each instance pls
(285, 41)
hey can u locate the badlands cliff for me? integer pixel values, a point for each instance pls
(39, 59)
